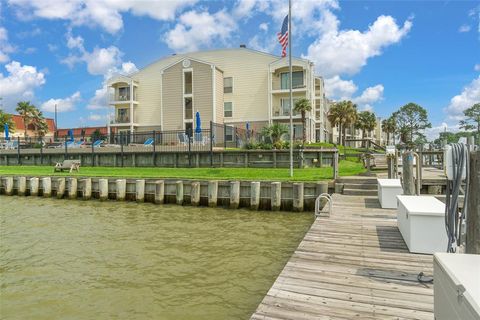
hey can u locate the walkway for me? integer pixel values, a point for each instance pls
(353, 264)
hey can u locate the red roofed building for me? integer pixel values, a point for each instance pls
(77, 132)
(19, 130)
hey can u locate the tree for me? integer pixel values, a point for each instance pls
(303, 106)
(411, 121)
(39, 123)
(275, 132)
(6, 118)
(472, 120)
(389, 127)
(25, 110)
(343, 114)
(366, 121)
(97, 135)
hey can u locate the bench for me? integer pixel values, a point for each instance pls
(70, 165)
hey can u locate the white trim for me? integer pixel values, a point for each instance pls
(269, 97)
(161, 100)
(187, 95)
(131, 105)
(224, 110)
(214, 93)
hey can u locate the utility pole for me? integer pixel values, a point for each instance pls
(56, 128)
(290, 82)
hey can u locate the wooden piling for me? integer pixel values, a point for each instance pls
(159, 191)
(34, 185)
(47, 187)
(21, 186)
(408, 181)
(195, 194)
(179, 192)
(60, 187)
(254, 195)
(87, 189)
(212, 193)
(234, 194)
(298, 196)
(276, 196)
(9, 186)
(140, 190)
(121, 191)
(103, 189)
(72, 188)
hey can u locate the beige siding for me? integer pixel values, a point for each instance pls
(219, 96)
(202, 91)
(173, 98)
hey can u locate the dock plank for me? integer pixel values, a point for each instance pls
(352, 264)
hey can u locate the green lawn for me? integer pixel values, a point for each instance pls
(347, 168)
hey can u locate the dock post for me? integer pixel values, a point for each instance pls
(72, 188)
(47, 187)
(159, 191)
(335, 165)
(298, 196)
(21, 186)
(103, 189)
(179, 192)
(9, 186)
(321, 187)
(407, 173)
(195, 194)
(121, 185)
(276, 196)
(87, 189)
(212, 193)
(60, 188)
(473, 205)
(34, 186)
(140, 190)
(254, 195)
(234, 194)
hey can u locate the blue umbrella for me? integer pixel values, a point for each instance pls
(70, 134)
(198, 128)
(248, 130)
(5, 127)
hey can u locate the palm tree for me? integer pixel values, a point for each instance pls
(39, 122)
(367, 122)
(275, 132)
(6, 118)
(303, 106)
(389, 127)
(25, 110)
(343, 114)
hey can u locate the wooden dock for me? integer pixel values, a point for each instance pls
(351, 265)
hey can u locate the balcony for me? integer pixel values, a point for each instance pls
(279, 112)
(122, 95)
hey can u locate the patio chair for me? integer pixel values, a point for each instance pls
(198, 139)
(98, 143)
(182, 139)
(148, 142)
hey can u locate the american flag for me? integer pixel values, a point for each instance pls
(283, 36)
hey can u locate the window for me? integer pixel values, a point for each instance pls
(122, 115)
(229, 133)
(228, 85)
(188, 82)
(188, 128)
(227, 109)
(297, 80)
(297, 131)
(123, 94)
(189, 108)
(285, 106)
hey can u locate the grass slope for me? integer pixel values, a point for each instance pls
(347, 168)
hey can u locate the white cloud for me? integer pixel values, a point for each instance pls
(101, 60)
(19, 83)
(104, 13)
(263, 26)
(369, 96)
(336, 88)
(74, 42)
(468, 97)
(5, 47)
(97, 117)
(434, 132)
(195, 30)
(63, 105)
(464, 28)
(476, 67)
(347, 51)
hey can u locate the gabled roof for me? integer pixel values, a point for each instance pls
(192, 59)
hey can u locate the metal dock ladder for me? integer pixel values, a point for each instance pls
(318, 211)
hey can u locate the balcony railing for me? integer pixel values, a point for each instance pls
(122, 97)
(283, 112)
(121, 119)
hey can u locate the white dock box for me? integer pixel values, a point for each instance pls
(457, 286)
(388, 190)
(421, 221)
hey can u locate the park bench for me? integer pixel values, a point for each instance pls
(70, 165)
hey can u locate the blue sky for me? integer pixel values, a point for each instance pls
(380, 54)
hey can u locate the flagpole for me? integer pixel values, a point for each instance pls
(290, 82)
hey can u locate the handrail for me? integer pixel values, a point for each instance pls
(317, 204)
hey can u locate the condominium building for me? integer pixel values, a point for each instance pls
(231, 86)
